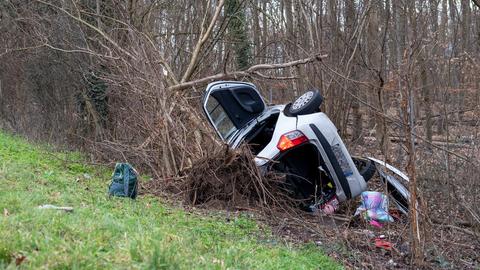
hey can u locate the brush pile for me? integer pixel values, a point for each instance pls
(226, 177)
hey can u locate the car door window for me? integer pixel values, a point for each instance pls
(220, 118)
(230, 106)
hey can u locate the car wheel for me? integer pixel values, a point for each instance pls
(365, 167)
(306, 103)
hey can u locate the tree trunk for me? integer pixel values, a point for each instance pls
(427, 98)
(237, 33)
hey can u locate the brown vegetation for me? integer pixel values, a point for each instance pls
(123, 81)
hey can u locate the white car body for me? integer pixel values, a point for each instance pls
(317, 127)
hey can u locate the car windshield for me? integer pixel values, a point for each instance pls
(220, 118)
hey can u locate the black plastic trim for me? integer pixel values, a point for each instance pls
(239, 110)
(333, 160)
(284, 153)
(286, 110)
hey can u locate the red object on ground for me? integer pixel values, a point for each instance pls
(381, 243)
(331, 206)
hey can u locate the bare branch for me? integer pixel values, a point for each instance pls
(252, 71)
(277, 78)
(82, 50)
(96, 29)
(7, 51)
(201, 41)
(294, 63)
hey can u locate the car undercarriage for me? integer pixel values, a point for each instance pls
(298, 141)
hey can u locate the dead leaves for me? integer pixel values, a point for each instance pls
(19, 259)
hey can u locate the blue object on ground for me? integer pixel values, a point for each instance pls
(124, 181)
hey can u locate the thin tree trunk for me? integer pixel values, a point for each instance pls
(427, 99)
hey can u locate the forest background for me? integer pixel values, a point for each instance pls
(122, 80)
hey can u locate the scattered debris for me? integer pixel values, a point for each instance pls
(50, 206)
(19, 259)
(330, 206)
(374, 208)
(392, 263)
(368, 233)
(384, 244)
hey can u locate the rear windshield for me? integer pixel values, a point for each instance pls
(220, 118)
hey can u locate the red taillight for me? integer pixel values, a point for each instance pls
(291, 139)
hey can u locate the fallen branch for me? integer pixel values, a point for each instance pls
(465, 231)
(251, 71)
(261, 75)
(398, 139)
(449, 113)
(457, 222)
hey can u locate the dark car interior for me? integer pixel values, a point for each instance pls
(303, 178)
(262, 134)
(304, 181)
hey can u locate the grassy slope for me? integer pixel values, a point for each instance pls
(107, 232)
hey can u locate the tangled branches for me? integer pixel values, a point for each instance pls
(226, 177)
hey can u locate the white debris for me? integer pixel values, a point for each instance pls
(50, 206)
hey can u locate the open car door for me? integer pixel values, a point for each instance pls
(397, 184)
(230, 106)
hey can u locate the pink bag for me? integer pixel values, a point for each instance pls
(374, 207)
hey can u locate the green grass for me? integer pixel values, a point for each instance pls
(106, 233)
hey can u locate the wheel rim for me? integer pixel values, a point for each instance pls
(302, 100)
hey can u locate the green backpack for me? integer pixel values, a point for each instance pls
(124, 181)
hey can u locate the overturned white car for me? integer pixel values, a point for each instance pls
(298, 140)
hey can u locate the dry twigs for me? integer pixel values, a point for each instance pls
(226, 178)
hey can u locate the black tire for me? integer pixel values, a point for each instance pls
(306, 104)
(365, 167)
